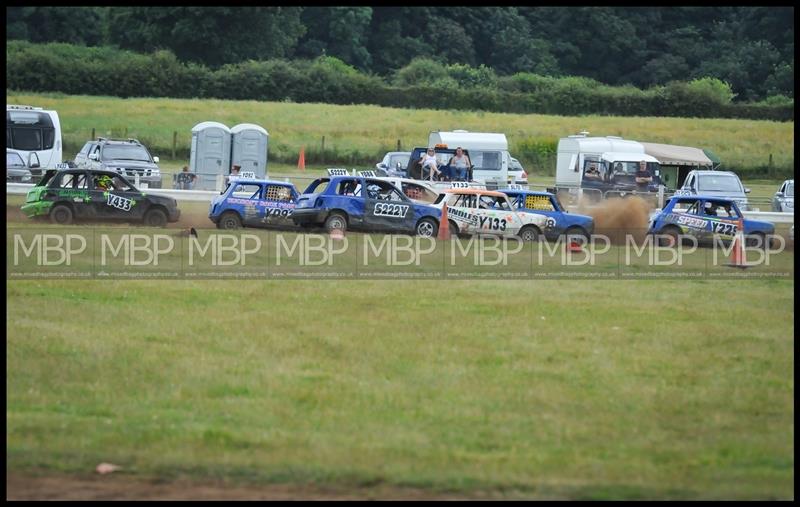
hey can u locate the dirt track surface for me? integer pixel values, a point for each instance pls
(125, 487)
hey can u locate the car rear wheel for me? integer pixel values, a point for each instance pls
(336, 221)
(758, 240)
(427, 228)
(155, 217)
(529, 233)
(61, 214)
(229, 220)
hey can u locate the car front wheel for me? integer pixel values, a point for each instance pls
(336, 221)
(61, 214)
(427, 228)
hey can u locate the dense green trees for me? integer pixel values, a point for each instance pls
(752, 48)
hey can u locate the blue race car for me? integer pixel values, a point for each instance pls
(369, 204)
(704, 218)
(254, 203)
(559, 221)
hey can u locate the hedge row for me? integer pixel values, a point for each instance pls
(73, 69)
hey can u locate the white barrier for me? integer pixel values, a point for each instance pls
(180, 195)
(207, 196)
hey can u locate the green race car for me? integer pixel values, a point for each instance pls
(84, 194)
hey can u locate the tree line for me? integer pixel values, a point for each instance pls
(423, 83)
(750, 48)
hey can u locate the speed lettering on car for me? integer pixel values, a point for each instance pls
(390, 210)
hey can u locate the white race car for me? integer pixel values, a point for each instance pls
(478, 211)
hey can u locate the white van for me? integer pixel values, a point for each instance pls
(35, 134)
(488, 152)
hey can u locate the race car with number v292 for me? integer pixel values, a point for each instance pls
(368, 204)
(65, 196)
(249, 202)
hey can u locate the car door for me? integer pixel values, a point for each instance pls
(386, 208)
(722, 221)
(545, 205)
(496, 216)
(73, 186)
(115, 198)
(462, 209)
(277, 204)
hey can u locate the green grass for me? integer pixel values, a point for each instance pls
(566, 388)
(360, 134)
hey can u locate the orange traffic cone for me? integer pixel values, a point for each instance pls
(574, 246)
(301, 161)
(337, 234)
(737, 253)
(444, 225)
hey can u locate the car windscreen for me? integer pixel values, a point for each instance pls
(130, 152)
(402, 160)
(789, 190)
(719, 183)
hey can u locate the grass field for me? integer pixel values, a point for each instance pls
(564, 389)
(367, 132)
(575, 389)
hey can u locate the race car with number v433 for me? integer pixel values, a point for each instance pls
(249, 202)
(65, 196)
(368, 204)
(706, 218)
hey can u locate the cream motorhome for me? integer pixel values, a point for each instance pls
(605, 163)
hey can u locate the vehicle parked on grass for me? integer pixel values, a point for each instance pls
(480, 211)
(127, 157)
(721, 184)
(16, 169)
(72, 194)
(560, 222)
(783, 200)
(369, 204)
(706, 217)
(488, 153)
(516, 173)
(394, 163)
(605, 164)
(250, 202)
(35, 135)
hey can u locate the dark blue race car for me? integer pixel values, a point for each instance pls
(706, 218)
(254, 203)
(345, 202)
(559, 221)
